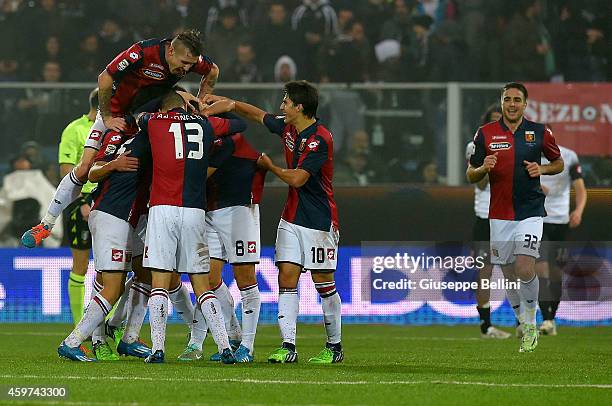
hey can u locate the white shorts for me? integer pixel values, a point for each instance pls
(233, 234)
(510, 238)
(176, 240)
(314, 250)
(111, 242)
(96, 132)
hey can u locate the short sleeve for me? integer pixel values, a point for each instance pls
(221, 150)
(67, 153)
(480, 152)
(575, 170)
(276, 124)
(315, 155)
(550, 149)
(203, 66)
(109, 146)
(222, 126)
(125, 61)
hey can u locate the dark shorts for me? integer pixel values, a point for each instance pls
(481, 233)
(552, 247)
(76, 229)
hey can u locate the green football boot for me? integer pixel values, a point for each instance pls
(530, 338)
(191, 353)
(283, 355)
(327, 356)
(103, 352)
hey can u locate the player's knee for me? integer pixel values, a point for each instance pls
(486, 272)
(245, 275)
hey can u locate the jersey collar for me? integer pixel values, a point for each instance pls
(310, 130)
(506, 129)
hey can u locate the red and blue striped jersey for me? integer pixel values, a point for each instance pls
(124, 195)
(180, 146)
(313, 204)
(237, 180)
(141, 73)
(514, 194)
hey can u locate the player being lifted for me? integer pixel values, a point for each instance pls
(307, 236)
(509, 151)
(143, 72)
(233, 192)
(176, 234)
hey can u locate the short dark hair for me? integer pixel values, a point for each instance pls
(93, 99)
(494, 108)
(172, 100)
(304, 93)
(516, 85)
(190, 39)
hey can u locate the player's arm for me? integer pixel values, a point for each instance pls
(551, 151)
(105, 92)
(482, 184)
(480, 164)
(208, 82)
(123, 163)
(246, 110)
(293, 177)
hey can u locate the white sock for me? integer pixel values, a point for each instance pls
(210, 307)
(226, 300)
(158, 316)
(251, 302)
(138, 298)
(96, 311)
(198, 328)
(288, 309)
(120, 313)
(67, 192)
(181, 300)
(332, 310)
(515, 302)
(99, 333)
(529, 298)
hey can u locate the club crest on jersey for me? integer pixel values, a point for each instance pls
(117, 255)
(153, 74)
(95, 134)
(123, 64)
(499, 146)
(302, 145)
(529, 136)
(110, 149)
(290, 143)
(331, 253)
(252, 247)
(313, 145)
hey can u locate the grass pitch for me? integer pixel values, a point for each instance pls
(383, 365)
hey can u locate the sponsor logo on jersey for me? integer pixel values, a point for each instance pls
(529, 136)
(155, 65)
(498, 146)
(115, 137)
(117, 255)
(122, 64)
(252, 247)
(153, 74)
(500, 137)
(331, 253)
(289, 142)
(95, 134)
(313, 145)
(133, 55)
(110, 149)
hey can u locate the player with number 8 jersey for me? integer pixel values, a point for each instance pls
(176, 235)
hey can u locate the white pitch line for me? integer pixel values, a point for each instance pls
(322, 383)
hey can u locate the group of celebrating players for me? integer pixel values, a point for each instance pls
(178, 192)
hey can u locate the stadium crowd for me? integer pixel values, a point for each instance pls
(322, 41)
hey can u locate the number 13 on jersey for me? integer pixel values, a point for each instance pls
(195, 138)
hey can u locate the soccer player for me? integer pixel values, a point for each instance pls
(233, 192)
(77, 213)
(557, 223)
(307, 236)
(119, 203)
(480, 238)
(176, 235)
(143, 72)
(509, 151)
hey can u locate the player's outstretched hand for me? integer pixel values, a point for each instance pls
(264, 162)
(489, 162)
(194, 104)
(126, 163)
(533, 169)
(115, 123)
(211, 98)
